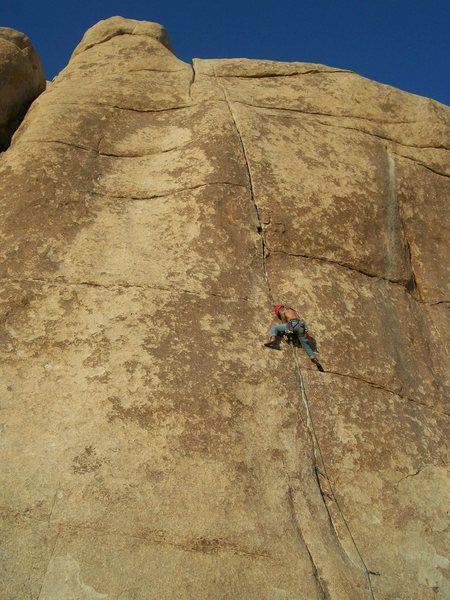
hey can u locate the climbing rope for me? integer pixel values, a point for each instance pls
(319, 458)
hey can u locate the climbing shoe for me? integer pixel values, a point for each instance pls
(318, 365)
(273, 343)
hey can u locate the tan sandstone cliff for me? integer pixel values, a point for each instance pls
(152, 211)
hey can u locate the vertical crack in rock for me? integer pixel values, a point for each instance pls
(319, 467)
(309, 425)
(320, 589)
(260, 229)
(192, 81)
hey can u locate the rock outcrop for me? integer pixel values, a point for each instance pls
(152, 211)
(21, 81)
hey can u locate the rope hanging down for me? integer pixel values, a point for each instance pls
(319, 459)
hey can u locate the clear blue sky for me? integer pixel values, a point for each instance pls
(405, 43)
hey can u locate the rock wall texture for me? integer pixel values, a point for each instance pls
(21, 81)
(152, 212)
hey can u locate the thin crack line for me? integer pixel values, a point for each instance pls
(380, 387)
(107, 154)
(276, 75)
(421, 164)
(399, 282)
(114, 106)
(22, 142)
(144, 69)
(355, 117)
(318, 453)
(64, 282)
(436, 303)
(408, 475)
(379, 136)
(166, 194)
(116, 286)
(340, 264)
(145, 110)
(331, 115)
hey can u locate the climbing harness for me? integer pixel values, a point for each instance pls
(293, 323)
(292, 337)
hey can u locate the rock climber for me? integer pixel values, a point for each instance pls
(292, 325)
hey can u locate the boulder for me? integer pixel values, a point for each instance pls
(152, 213)
(22, 80)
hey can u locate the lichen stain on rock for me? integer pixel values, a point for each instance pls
(86, 462)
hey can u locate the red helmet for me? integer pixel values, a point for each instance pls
(277, 308)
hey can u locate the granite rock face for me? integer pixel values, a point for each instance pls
(21, 80)
(152, 212)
